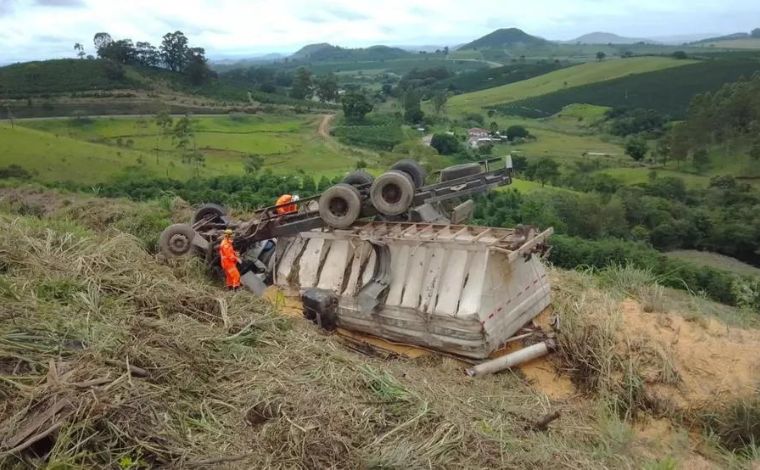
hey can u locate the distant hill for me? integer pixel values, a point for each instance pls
(727, 37)
(607, 38)
(328, 52)
(505, 38)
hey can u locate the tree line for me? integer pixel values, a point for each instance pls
(174, 54)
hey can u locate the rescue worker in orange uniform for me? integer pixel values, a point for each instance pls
(287, 203)
(230, 259)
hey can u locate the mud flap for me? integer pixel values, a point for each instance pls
(253, 283)
(375, 291)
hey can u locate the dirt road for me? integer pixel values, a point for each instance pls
(324, 125)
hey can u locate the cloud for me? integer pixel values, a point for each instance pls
(59, 3)
(6, 7)
(259, 26)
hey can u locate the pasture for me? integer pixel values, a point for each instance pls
(90, 150)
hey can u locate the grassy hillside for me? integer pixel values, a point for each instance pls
(715, 260)
(746, 43)
(566, 78)
(62, 76)
(497, 76)
(95, 150)
(668, 90)
(151, 366)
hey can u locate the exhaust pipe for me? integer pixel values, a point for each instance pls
(512, 359)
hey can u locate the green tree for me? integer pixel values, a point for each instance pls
(101, 41)
(355, 106)
(412, 107)
(546, 170)
(164, 122)
(636, 148)
(493, 127)
(680, 55)
(326, 87)
(174, 51)
(439, 101)
(253, 163)
(184, 138)
(662, 150)
(302, 84)
(445, 144)
(80, 50)
(147, 54)
(517, 132)
(600, 56)
(197, 66)
(701, 160)
(755, 33)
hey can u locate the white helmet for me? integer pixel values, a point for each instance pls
(296, 198)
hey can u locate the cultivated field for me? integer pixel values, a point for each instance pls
(90, 150)
(565, 78)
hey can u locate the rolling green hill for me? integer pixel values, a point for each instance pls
(668, 90)
(327, 52)
(63, 76)
(493, 77)
(96, 150)
(504, 38)
(565, 78)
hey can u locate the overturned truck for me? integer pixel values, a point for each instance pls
(391, 257)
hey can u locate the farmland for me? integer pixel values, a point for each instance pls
(90, 150)
(668, 90)
(565, 78)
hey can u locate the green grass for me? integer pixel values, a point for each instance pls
(715, 260)
(565, 78)
(747, 43)
(60, 158)
(631, 176)
(667, 90)
(63, 149)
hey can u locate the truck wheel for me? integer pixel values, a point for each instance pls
(176, 240)
(214, 262)
(213, 211)
(413, 169)
(340, 205)
(392, 193)
(358, 178)
(460, 171)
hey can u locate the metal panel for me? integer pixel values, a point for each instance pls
(311, 261)
(361, 256)
(415, 277)
(469, 303)
(451, 283)
(399, 269)
(334, 265)
(432, 279)
(289, 256)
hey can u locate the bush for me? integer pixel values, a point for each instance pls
(445, 144)
(14, 171)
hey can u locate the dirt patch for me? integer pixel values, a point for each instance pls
(711, 361)
(324, 125)
(542, 375)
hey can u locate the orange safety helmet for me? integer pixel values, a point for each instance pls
(285, 205)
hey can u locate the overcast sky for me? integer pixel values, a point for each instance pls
(39, 29)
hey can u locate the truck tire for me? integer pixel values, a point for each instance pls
(392, 193)
(413, 169)
(358, 178)
(176, 240)
(210, 210)
(340, 205)
(460, 171)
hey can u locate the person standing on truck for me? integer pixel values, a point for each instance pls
(286, 204)
(230, 259)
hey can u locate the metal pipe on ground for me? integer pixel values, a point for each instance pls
(512, 359)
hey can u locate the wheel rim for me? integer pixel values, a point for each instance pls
(338, 207)
(391, 193)
(179, 243)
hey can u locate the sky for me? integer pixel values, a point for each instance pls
(41, 29)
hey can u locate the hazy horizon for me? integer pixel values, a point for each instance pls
(42, 29)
